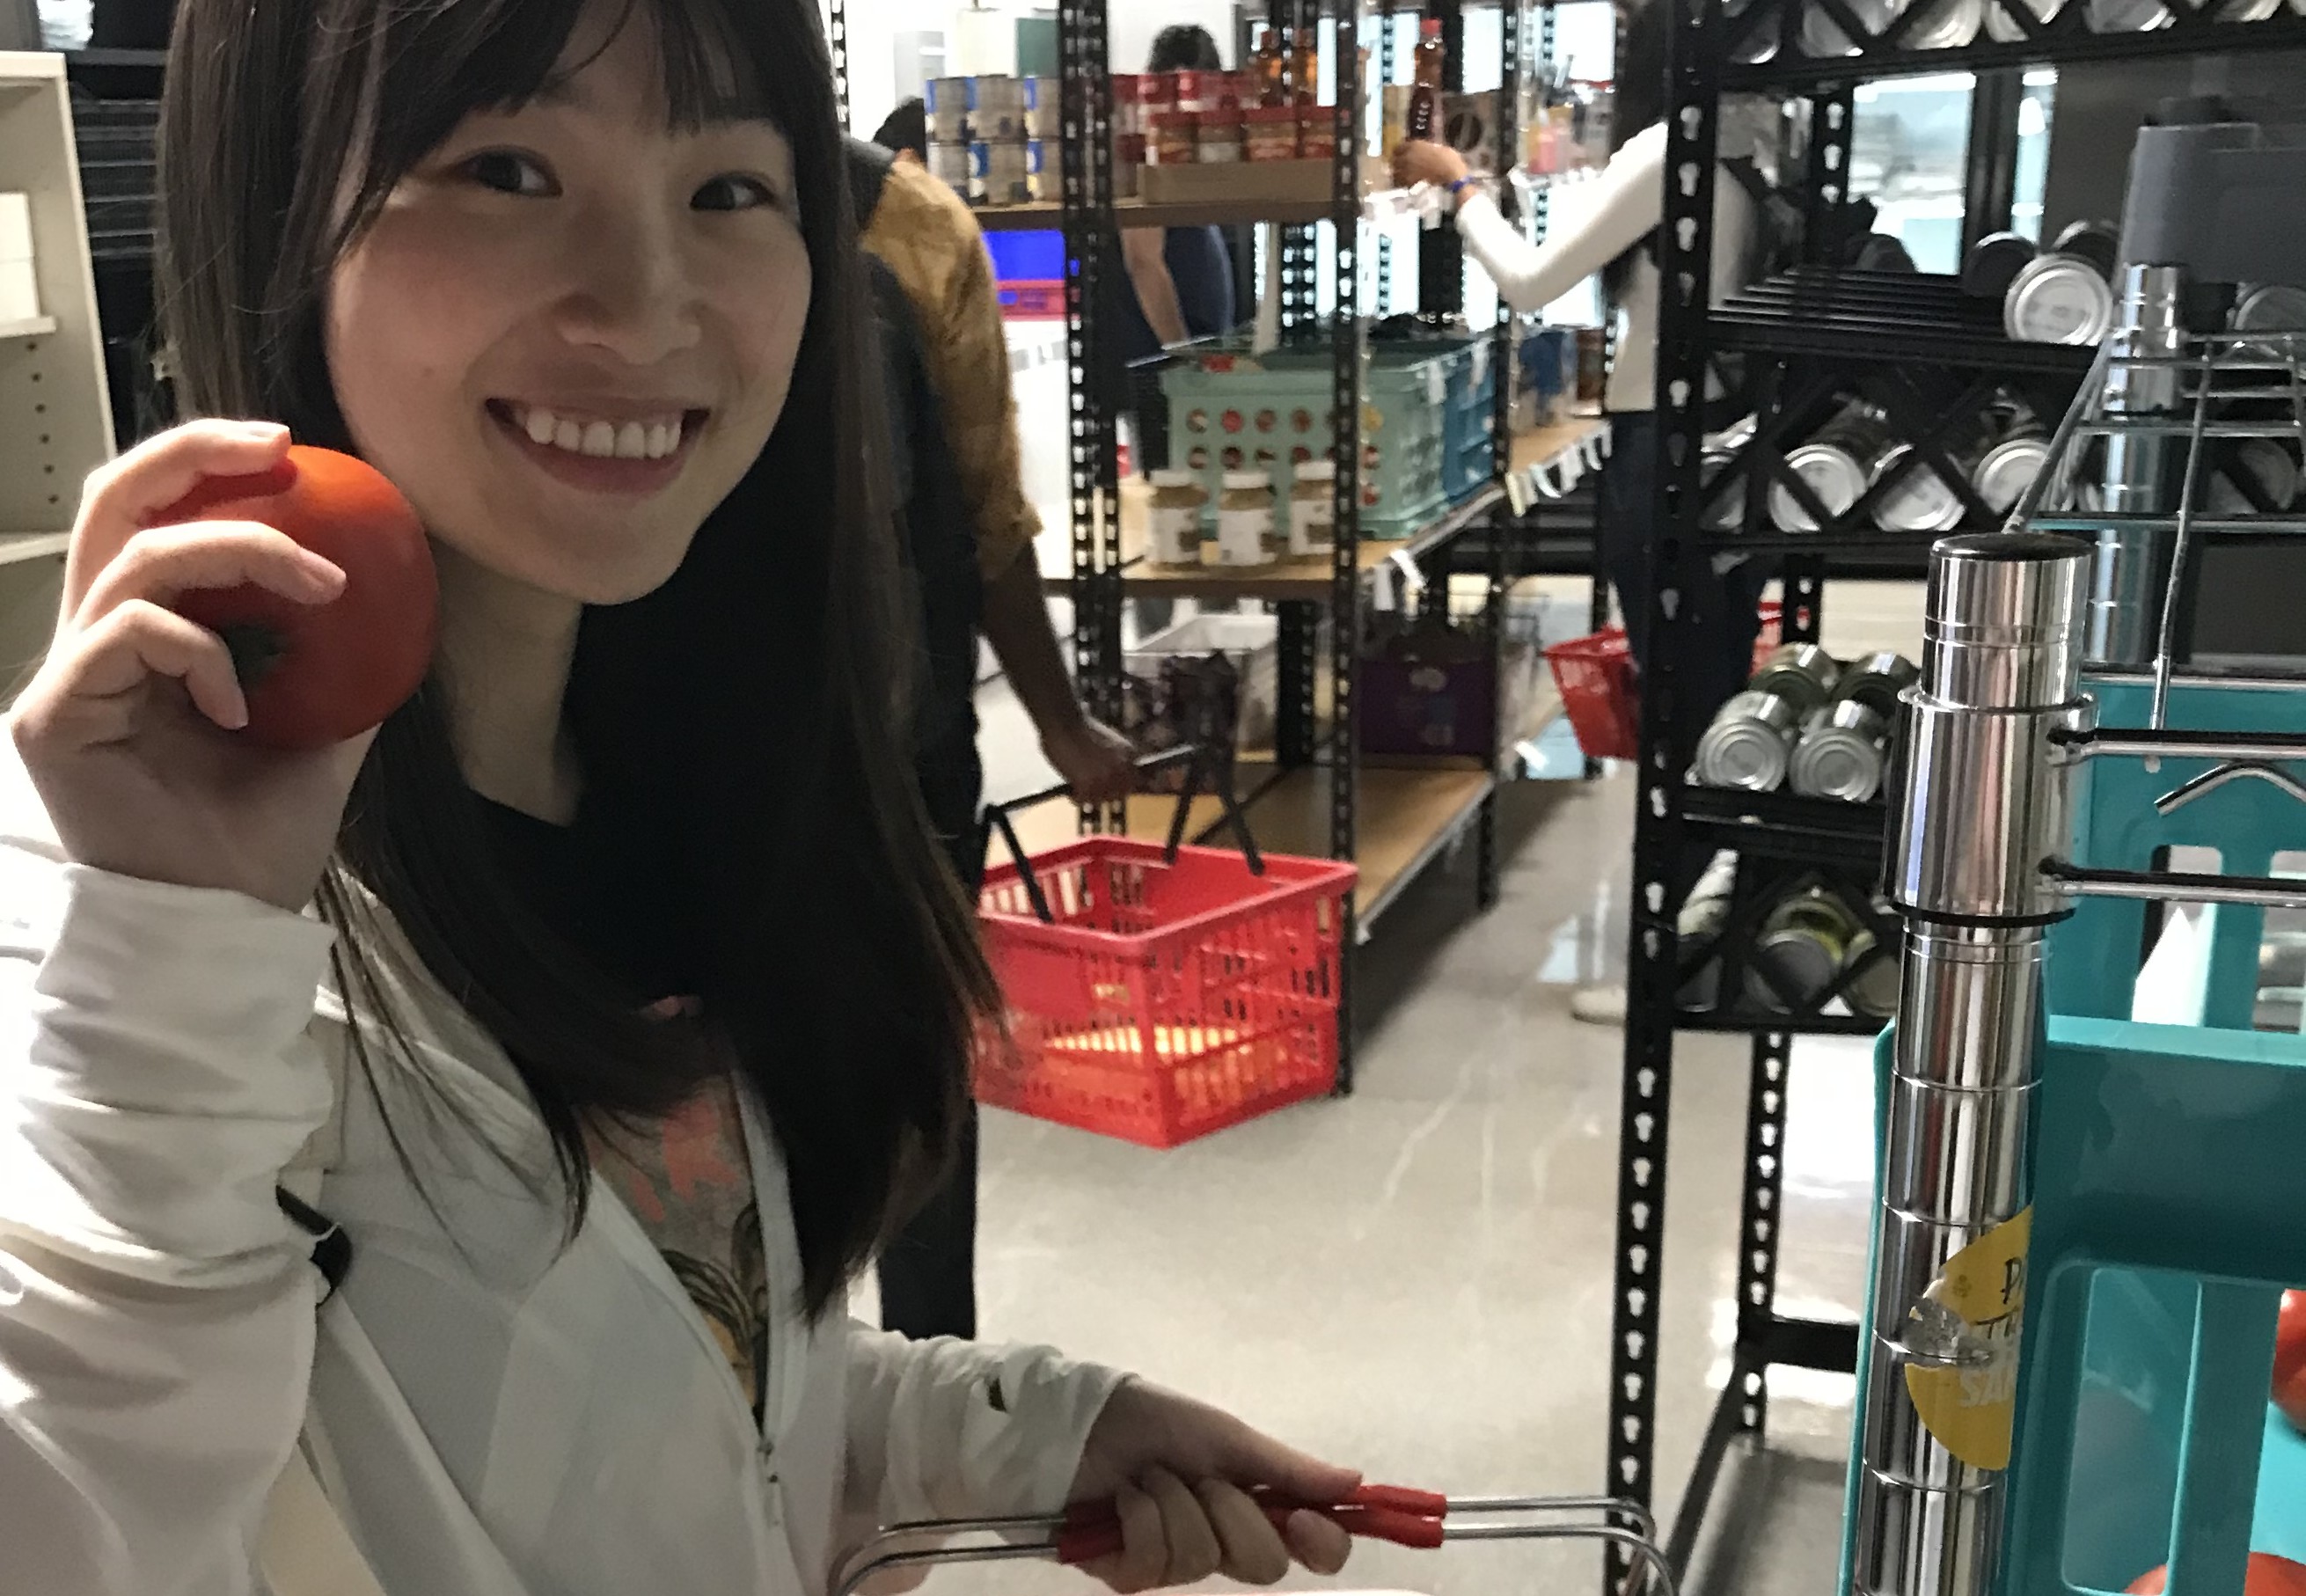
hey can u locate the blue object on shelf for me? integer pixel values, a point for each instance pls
(1035, 257)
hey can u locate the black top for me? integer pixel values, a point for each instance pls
(591, 887)
(1201, 266)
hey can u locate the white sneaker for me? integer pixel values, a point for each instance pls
(1602, 1003)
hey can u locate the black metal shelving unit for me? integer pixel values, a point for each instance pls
(1319, 663)
(1810, 337)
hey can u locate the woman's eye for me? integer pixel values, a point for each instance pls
(731, 192)
(509, 173)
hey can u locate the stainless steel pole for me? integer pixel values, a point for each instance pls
(1984, 804)
(2133, 562)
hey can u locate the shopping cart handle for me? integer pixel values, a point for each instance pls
(1394, 1512)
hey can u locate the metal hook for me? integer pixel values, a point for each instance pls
(2211, 780)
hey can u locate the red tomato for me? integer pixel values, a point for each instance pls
(2290, 1359)
(2265, 1576)
(317, 674)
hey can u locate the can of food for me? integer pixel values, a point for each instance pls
(996, 107)
(1044, 108)
(2271, 308)
(1749, 744)
(2058, 299)
(2004, 472)
(2003, 26)
(2267, 465)
(1993, 263)
(1269, 132)
(1128, 104)
(2097, 243)
(952, 164)
(1197, 91)
(1799, 953)
(1724, 511)
(1822, 36)
(1834, 464)
(1879, 680)
(1916, 499)
(1129, 152)
(1317, 135)
(1704, 915)
(1045, 172)
(1872, 989)
(1803, 674)
(997, 173)
(2126, 16)
(1176, 139)
(1944, 25)
(1842, 752)
(946, 107)
(1218, 142)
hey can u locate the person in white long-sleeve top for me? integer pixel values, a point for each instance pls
(435, 1162)
(1607, 225)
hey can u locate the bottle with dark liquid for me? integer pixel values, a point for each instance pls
(1305, 65)
(1425, 99)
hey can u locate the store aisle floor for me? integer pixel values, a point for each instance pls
(1417, 1279)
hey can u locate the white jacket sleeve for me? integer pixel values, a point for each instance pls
(963, 1430)
(1617, 211)
(155, 1307)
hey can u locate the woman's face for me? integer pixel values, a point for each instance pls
(573, 328)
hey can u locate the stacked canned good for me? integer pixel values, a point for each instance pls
(1807, 947)
(1810, 723)
(1999, 452)
(994, 138)
(1203, 118)
(2061, 295)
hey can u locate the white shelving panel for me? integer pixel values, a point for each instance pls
(55, 414)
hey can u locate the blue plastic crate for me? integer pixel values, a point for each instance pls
(1469, 430)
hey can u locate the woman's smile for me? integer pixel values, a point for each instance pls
(637, 447)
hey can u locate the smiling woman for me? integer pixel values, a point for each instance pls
(643, 1001)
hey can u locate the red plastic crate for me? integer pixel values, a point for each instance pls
(1166, 1001)
(1596, 675)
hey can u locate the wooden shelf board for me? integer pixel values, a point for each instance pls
(1405, 814)
(34, 327)
(17, 546)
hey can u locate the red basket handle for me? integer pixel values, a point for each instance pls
(1198, 768)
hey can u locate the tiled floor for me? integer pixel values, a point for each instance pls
(1416, 1278)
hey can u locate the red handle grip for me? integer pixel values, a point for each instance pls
(1393, 1513)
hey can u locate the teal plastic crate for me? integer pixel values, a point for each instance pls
(1231, 411)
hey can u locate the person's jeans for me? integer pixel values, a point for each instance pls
(1717, 611)
(927, 1272)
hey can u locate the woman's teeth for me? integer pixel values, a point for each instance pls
(602, 440)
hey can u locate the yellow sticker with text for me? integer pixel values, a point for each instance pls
(1968, 1321)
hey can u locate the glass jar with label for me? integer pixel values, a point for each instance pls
(1178, 500)
(1313, 510)
(1245, 519)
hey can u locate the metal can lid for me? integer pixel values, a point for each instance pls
(1742, 753)
(1918, 500)
(1837, 763)
(1949, 25)
(1246, 481)
(1317, 470)
(1174, 479)
(1803, 965)
(2270, 307)
(2058, 299)
(2008, 470)
(1832, 473)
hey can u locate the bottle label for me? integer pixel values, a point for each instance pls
(1245, 537)
(1176, 535)
(1969, 1404)
(1312, 527)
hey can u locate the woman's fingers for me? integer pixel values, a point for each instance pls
(1193, 1549)
(1252, 1457)
(134, 642)
(1318, 1542)
(126, 496)
(162, 565)
(1143, 1560)
(1253, 1549)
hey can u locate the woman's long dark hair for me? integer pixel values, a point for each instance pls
(743, 723)
(1637, 95)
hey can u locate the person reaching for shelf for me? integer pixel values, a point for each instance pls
(1608, 226)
